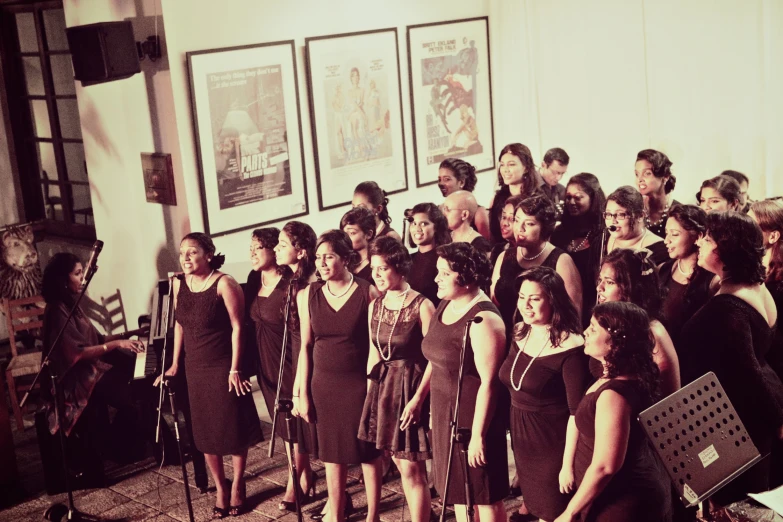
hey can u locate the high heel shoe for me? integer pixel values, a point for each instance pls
(319, 515)
(240, 509)
(218, 512)
(305, 498)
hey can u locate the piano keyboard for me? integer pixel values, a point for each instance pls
(146, 363)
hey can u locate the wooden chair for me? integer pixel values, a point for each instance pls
(22, 315)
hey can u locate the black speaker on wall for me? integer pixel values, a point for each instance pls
(103, 52)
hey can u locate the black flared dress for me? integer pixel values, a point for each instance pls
(223, 423)
(394, 383)
(640, 490)
(267, 316)
(548, 395)
(442, 346)
(339, 377)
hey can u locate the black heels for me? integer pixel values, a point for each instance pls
(319, 515)
(240, 509)
(306, 497)
(217, 512)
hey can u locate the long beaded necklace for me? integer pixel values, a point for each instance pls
(202, 286)
(518, 386)
(386, 356)
(537, 255)
(457, 312)
(343, 294)
(574, 247)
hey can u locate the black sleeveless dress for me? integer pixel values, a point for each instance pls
(223, 423)
(267, 316)
(422, 274)
(394, 383)
(640, 490)
(339, 377)
(442, 347)
(548, 395)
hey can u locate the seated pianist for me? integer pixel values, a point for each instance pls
(94, 371)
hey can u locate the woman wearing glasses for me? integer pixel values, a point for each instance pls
(624, 217)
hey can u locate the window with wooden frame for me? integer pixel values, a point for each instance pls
(42, 118)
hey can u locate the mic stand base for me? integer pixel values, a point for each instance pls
(285, 406)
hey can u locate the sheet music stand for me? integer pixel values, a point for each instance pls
(699, 438)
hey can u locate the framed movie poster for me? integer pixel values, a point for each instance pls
(247, 122)
(451, 102)
(356, 113)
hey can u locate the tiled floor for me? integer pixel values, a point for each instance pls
(150, 493)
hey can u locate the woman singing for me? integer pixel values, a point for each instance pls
(396, 411)
(617, 474)
(462, 273)
(359, 224)
(209, 309)
(429, 230)
(266, 294)
(731, 335)
(516, 176)
(333, 370)
(655, 182)
(546, 373)
(369, 195)
(624, 217)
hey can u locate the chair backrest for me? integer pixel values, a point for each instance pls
(115, 313)
(22, 315)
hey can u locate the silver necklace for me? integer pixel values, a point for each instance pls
(458, 312)
(680, 270)
(537, 255)
(518, 386)
(202, 286)
(270, 286)
(341, 295)
(386, 356)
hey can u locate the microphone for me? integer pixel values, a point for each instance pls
(476, 320)
(92, 266)
(612, 228)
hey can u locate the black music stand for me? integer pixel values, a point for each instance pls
(700, 439)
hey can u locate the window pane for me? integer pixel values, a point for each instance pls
(62, 73)
(52, 201)
(41, 125)
(82, 204)
(74, 161)
(25, 26)
(33, 76)
(54, 23)
(70, 126)
(46, 162)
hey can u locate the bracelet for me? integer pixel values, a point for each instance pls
(234, 371)
(105, 348)
(295, 396)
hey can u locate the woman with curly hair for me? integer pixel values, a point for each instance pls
(369, 195)
(630, 276)
(266, 293)
(331, 381)
(455, 174)
(516, 175)
(655, 181)
(580, 233)
(731, 336)
(546, 374)
(618, 476)
(624, 217)
(429, 229)
(359, 224)
(463, 274)
(720, 193)
(686, 286)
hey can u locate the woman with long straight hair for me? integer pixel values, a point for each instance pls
(516, 176)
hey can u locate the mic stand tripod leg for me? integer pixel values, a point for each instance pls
(463, 439)
(285, 406)
(56, 512)
(169, 387)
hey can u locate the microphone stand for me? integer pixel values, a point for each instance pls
(286, 406)
(167, 384)
(57, 511)
(602, 253)
(460, 436)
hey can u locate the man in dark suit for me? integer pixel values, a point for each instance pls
(553, 168)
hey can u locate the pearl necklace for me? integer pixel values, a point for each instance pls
(456, 311)
(537, 255)
(341, 295)
(573, 247)
(270, 286)
(518, 386)
(686, 274)
(386, 356)
(664, 214)
(202, 286)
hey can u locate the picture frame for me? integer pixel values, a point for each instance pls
(356, 113)
(450, 78)
(247, 123)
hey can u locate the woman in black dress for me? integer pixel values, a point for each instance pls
(266, 294)
(209, 308)
(462, 273)
(546, 374)
(581, 232)
(731, 336)
(624, 217)
(429, 230)
(369, 195)
(618, 476)
(333, 370)
(685, 285)
(396, 411)
(534, 221)
(516, 176)
(655, 182)
(359, 224)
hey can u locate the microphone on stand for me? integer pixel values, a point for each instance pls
(92, 265)
(612, 228)
(476, 320)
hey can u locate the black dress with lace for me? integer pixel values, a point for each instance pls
(394, 382)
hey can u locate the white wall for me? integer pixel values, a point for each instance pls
(9, 211)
